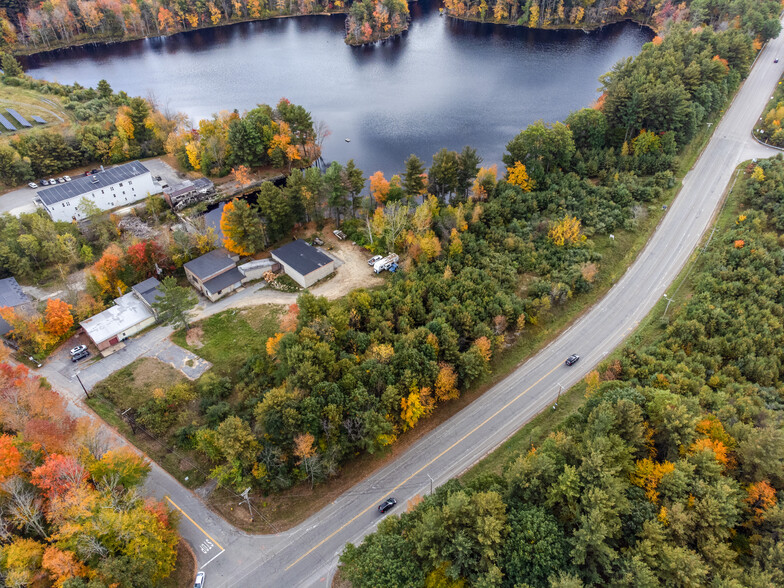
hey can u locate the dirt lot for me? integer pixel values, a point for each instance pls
(354, 273)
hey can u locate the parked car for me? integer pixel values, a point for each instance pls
(157, 178)
(94, 170)
(339, 234)
(52, 181)
(374, 259)
(199, 580)
(61, 180)
(67, 178)
(32, 185)
(44, 182)
(386, 505)
(776, 60)
(317, 241)
(80, 355)
(78, 349)
(572, 359)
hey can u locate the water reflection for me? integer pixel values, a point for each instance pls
(445, 83)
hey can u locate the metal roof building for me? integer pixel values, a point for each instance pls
(107, 189)
(85, 184)
(11, 295)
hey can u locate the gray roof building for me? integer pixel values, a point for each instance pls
(10, 295)
(221, 281)
(148, 290)
(87, 184)
(301, 257)
(209, 264)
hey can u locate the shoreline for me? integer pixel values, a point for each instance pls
(586, 28)
(126, 39)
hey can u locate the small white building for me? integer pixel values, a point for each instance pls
(107, 189)
(305, 264)
(128, 316)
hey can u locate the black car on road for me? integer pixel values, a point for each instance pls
(386, 505)
(572, 359)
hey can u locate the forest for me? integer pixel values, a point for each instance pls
(72, 513)
(486, 256)
(758, 18)
(670, 472)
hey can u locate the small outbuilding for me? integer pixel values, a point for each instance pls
(305, 264)
(147, 291)
(128, 316)
(214, 274)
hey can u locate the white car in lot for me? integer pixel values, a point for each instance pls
(374, 259)
(78, 349)
(32, 185)
(199, 580)
(67, 178)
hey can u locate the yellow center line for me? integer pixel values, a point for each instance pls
(436, 458)
(195, 523)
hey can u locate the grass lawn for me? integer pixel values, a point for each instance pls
(650, 329)
(230, 337)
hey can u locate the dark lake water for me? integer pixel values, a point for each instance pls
(445, 83)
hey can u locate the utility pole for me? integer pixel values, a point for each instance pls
(86, 393)
(246, 498)
(431, 484)
(558, 397)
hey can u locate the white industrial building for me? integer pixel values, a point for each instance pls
(107, 189)
(305, 264)
(128, 316)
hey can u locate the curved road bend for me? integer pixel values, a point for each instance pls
(307, 555)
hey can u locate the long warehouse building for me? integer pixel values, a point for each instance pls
(107, 189)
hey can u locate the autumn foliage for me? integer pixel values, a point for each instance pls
(70, 505)
(59, 319)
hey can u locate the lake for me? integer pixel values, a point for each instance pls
(444, 83)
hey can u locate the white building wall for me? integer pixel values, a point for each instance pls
(112, 196)
(318, 274)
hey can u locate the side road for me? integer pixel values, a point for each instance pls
(307, 555)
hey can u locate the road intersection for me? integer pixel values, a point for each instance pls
(307, 555)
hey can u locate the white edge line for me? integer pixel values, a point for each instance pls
(208, 563)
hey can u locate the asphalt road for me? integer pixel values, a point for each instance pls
(307, 555)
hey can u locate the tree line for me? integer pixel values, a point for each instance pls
(34, 26)
(669, 474)
(487, 254)
(71, 509)
(759, 18)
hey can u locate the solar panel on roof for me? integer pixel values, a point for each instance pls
(6, 124)
(38, 119)
(19, 118)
